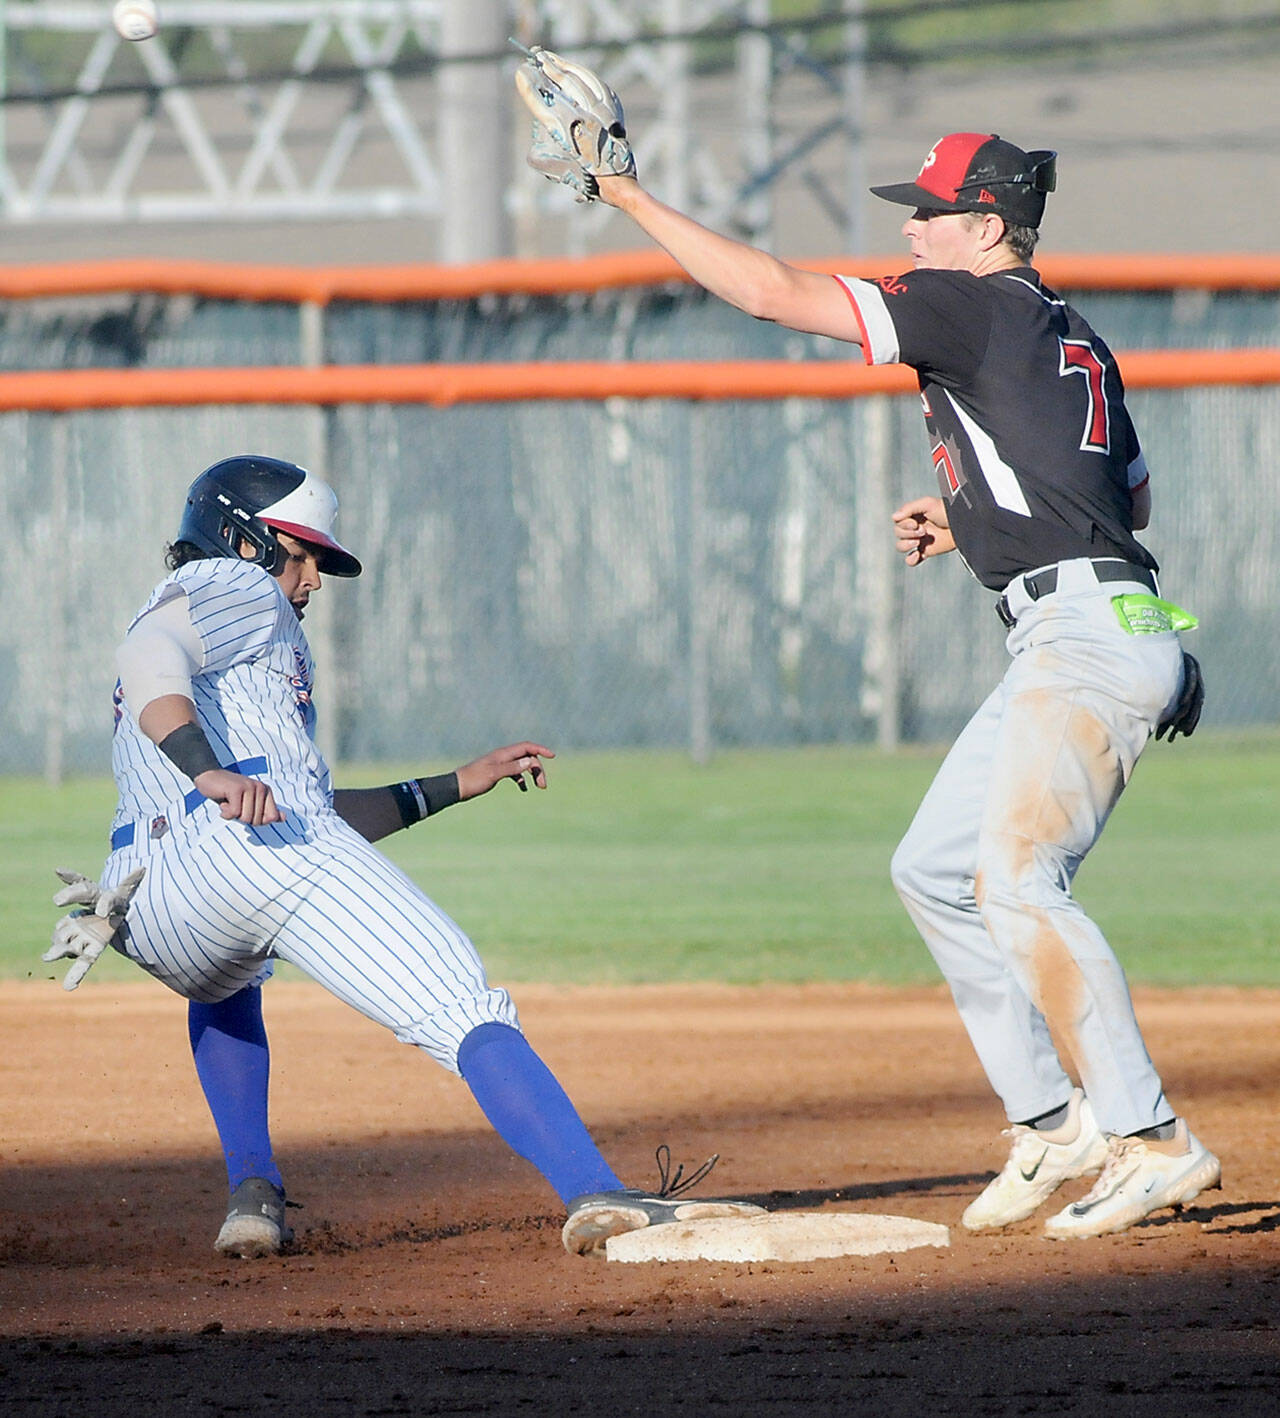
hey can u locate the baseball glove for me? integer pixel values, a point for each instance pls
(82, 936)
(1186, 712)
(550, 159)
(579, 131)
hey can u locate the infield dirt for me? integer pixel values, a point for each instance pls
(428, 1277)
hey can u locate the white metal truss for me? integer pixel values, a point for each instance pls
(352, 114)
(137, 139)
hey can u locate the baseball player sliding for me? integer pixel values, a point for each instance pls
(1042, 485)
(230, 848)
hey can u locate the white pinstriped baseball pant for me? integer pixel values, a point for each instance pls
(215, 909)
(986, 867)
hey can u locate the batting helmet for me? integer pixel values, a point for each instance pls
(250, 498)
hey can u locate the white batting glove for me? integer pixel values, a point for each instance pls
(82, 936)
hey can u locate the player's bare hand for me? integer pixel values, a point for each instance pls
(922, 529)
(514, 762)
(248, 800)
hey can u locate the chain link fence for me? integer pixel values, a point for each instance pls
(592, 574)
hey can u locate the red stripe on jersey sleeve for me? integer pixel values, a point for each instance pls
(857, 315)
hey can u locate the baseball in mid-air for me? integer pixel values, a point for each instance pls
(135, 19)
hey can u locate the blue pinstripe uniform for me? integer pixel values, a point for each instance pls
(218, 899)
(222, 900)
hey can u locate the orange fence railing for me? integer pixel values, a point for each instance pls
(498, 382)
(445, 384)
(421, 281)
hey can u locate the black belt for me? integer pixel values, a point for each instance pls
(158, 826)
(1045, 583)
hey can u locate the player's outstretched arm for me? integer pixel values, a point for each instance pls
(580, 139)
(745, 276)
(378, 812)
(922, 529)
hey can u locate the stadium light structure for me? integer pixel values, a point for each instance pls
(267, 110)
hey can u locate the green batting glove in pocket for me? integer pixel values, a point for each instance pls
(1140, 614)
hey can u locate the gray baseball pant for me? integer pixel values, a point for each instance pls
(986, 867)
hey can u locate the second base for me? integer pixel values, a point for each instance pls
(778, 1235)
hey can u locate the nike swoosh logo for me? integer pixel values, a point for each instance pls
(1032, 1174)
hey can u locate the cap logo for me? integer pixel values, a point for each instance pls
(929, 161)
(985, 196)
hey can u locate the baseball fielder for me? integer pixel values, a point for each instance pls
(1042, 486)
(230, 849)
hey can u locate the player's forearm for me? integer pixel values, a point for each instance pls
(729, 269)
(378, 812)
(371, 811)
(753, 280)
(171, 724)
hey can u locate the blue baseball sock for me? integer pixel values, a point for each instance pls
(529, 1110)
(229, 1045)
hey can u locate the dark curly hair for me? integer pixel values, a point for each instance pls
(177, 554)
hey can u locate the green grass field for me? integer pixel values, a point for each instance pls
(760, 866)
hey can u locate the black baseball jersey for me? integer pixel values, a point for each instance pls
(1034, 448)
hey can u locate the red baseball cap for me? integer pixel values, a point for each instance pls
(980, 172)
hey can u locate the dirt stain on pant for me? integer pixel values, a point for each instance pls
(1058, 988)
(1049, 800)
(1058, 779)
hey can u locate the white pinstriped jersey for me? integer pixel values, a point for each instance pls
(252, 695)
(220, 900)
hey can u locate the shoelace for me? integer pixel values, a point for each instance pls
(1018, 1134)
(669, 1185)
(1118, 1151)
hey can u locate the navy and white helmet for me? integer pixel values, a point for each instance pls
(249, 498)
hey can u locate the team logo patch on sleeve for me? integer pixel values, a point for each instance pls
(301, 683)
(159, 826)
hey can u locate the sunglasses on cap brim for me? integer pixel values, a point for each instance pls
(1041, 175)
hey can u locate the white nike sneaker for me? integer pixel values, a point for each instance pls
(1039, 1163)
(1140, 1177)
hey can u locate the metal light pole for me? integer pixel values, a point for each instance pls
(475, 148)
